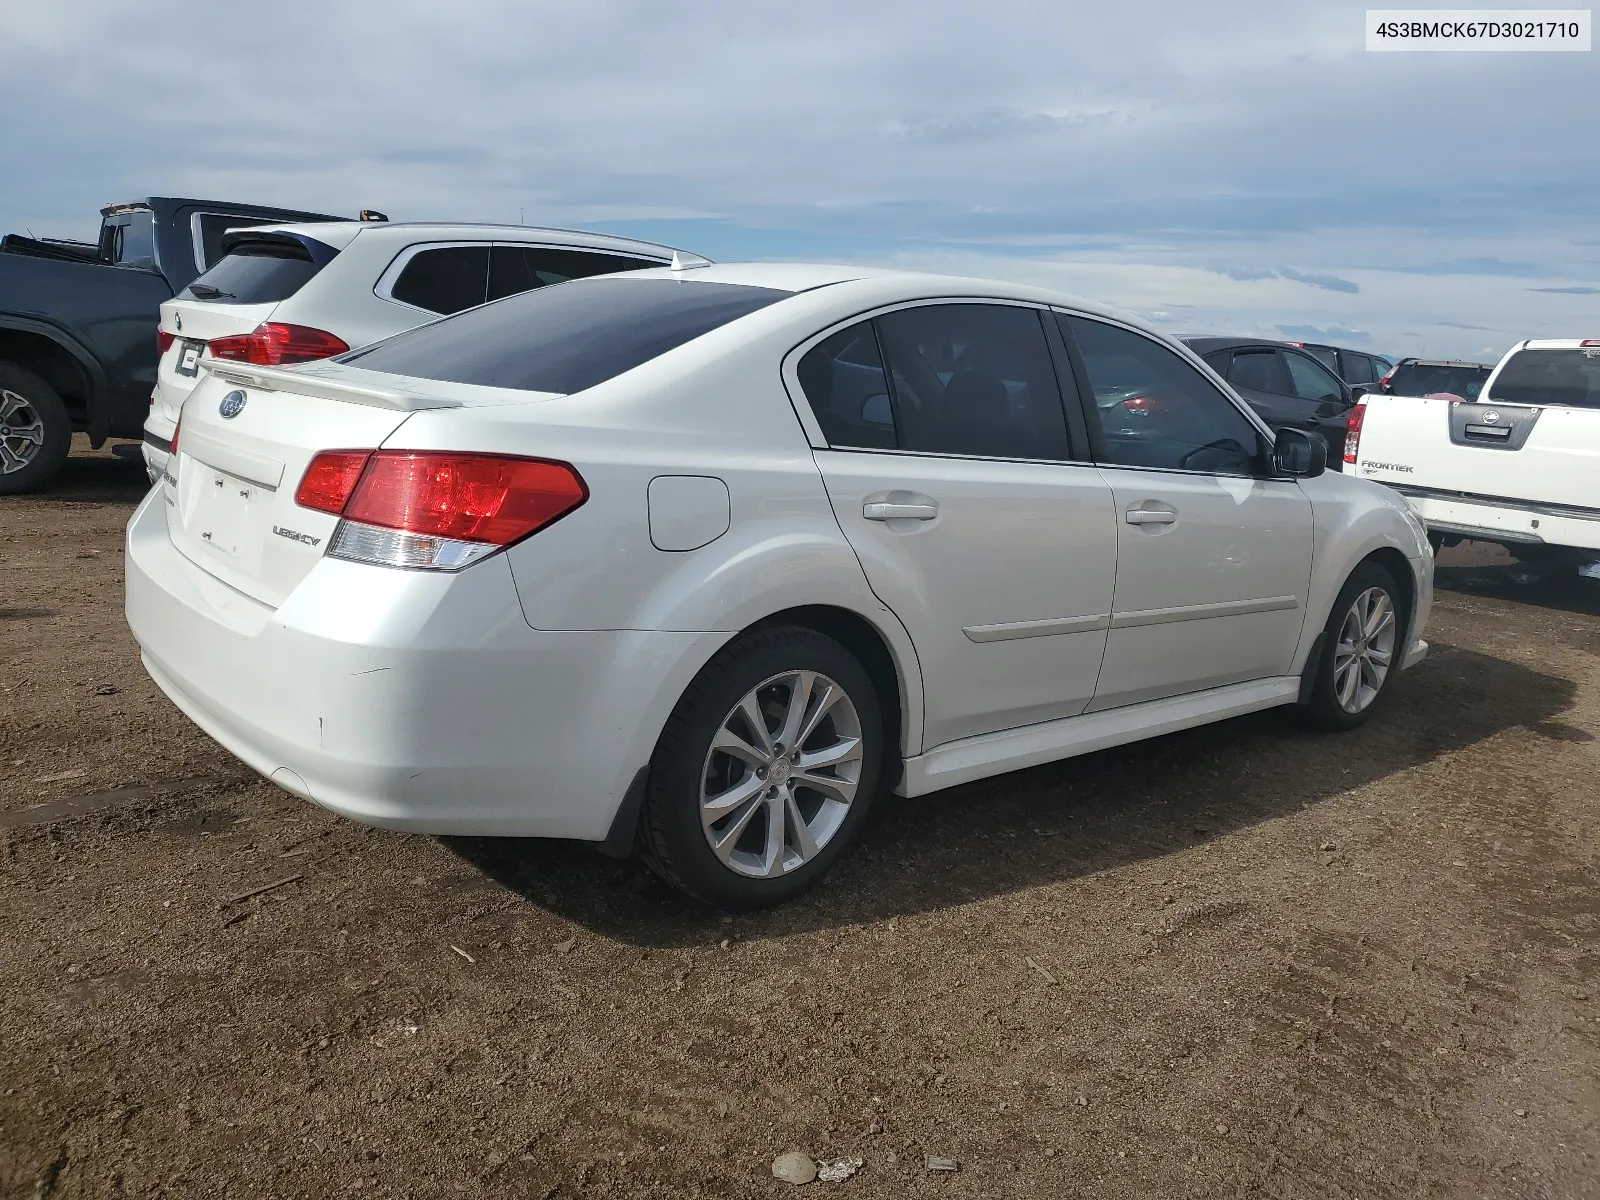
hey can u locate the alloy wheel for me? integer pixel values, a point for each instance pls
(1365, 650)
(21, 432)
(781, 773)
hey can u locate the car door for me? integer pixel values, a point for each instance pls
(1213, 558)
(946, 454)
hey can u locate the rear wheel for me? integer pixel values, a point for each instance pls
(35, 430)
(1361, 649)
(765, 770)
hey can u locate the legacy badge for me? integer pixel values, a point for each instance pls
(294, 535)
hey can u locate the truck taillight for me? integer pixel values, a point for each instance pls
(172, 450)
(437, 511)
(1352, 430)
(275, 344)
(164, 341)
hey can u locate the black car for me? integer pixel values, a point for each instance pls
(1286, 386)
(1433, 377)
(1358, 368)
(78, 324)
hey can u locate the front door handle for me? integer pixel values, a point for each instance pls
(1150, 516)
(883, 510)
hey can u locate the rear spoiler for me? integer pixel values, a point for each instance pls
(302, 382)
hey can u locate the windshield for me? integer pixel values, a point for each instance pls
(567, 337)
(1568, 377)
(1426, 379)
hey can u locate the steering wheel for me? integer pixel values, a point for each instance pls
(1225, 443)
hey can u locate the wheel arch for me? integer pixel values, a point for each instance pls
(872, 650)
(55, 358)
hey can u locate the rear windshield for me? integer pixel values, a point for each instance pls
(1545, 377)
(568, 337)
(261, 270)
(1423, 379)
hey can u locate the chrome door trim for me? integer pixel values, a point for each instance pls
(1200, 612)
(1011, 630)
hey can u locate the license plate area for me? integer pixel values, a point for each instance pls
(188, 363)
(222, 507)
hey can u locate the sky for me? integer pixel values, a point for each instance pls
(1228, 167)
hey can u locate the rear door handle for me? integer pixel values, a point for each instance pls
(883, 510)
(1150, 516)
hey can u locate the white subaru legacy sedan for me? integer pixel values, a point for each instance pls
(698, 561)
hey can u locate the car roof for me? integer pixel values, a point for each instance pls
(884, 285)
(1445, 362)
(340, 234)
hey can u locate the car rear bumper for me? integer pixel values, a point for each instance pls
(408, 700)
(157, 446)
(1526, 524)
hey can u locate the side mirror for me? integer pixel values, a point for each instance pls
(1357, 391)
(1300, 453)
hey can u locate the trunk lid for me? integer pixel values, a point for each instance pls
(232, 510)
(1549, 455)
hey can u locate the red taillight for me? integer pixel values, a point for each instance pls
(1352, 434)
(330, 479)
(173, 449)
(1590, 342)
(467, 497)
(164, 341)
(274, 344)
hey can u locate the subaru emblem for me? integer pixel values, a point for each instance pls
(232, 404)
(1490, 417)
(177, 320)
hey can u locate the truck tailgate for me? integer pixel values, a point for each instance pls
(1494, 451)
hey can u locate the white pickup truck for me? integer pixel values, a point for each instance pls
(1519, 465)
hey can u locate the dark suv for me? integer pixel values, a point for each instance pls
(1287, 387)
(1430, 377)
(1358, 368)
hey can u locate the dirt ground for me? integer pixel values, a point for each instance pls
(1245, 960)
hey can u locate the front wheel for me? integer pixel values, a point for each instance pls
(1361, 649)
(35, 430)
(765, 770)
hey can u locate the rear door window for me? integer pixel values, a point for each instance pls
(1258, 371)
(1356, 368)
(974, 379)
(1324, 355)
(1564, 377)
(261, 269)
(1310, 380)
(845, 384)
(444, 279)
(515, 269)
(565, 339)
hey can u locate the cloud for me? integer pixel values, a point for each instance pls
(1485, 265)
(1331, 283)
(1007, 138)
(1333, 333)
(1568, 291)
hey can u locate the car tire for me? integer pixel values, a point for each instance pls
(35, 430)
(1361, 650)
(780, 815)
